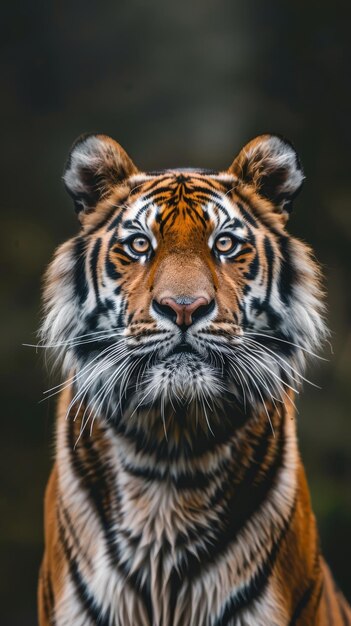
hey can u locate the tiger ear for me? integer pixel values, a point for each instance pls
(271, 165)
(95, 166)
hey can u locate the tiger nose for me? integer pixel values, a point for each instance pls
(183, 311)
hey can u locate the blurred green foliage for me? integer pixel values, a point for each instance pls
(176, 84)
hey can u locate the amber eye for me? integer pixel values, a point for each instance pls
(140, 244)
(225, 244)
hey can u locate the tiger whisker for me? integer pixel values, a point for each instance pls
(261, 376)
(94, 375)
(205, 413)
(280, 384)
(258, 391)
(278, 356)
(80, 373)
(144, 398)
(88, 338)
(260, 394)
(238, 376)
(264, 364)
(162, 410)
(126, 378)
(291, 343)
(102, 392)
(104, 351)
(106, 389)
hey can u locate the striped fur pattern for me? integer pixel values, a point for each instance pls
(178, 496)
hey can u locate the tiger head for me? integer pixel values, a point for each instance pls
(183, 285)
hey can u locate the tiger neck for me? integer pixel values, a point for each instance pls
(187, 451)
(179, 514)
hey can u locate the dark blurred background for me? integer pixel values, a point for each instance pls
(176, 83)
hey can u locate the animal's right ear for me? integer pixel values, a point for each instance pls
(95, 167)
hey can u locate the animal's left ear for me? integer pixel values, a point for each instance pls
(95, 166)
(271, 165)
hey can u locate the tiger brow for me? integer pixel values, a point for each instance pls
(142, 209)
(222, 209)
(233, 222)
(130, 224)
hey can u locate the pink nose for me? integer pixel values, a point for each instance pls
(184, 312)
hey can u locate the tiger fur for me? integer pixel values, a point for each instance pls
(182, 315)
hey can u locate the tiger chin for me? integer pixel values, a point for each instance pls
(182, 316)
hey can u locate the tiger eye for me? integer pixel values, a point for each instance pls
(224, 244)
(140, 245)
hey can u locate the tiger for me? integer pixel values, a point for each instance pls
(181, 317)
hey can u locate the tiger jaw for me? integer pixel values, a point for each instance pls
(183, 376)
(186, 368)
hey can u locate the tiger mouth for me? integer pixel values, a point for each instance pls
(183, 348)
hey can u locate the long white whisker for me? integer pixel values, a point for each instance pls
(264, 364)
(88, 366)
(279, 382)
(94, 374)
(150, 390)
(77, 340)
(291, 343)
(205, 413)
(278, 356)
(260, 394)
(265, 381)
(110, 350)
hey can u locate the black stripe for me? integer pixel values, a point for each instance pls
(103, 224)
(254, 211)
(183, 480)
(253, 268)
(171, 215)
(160, 191)
(161, 177)
(90, 477)
(89, 603)
(307, 594)
(242, 497)
(270, 259)
(48, 597)
(116, 221)
(249, 218)
(93, 478)
(128, 224)
(119, 249)
(221, 208)
(111, 269)
(241, 505)
(258, 583)
(79, 278)
(303, 602)
(94, 257)
(51, 600)
(71, 529)
(286, 276)
(147, 443)
(206, 194)
(243, 502)
(142, 210)
(121, 313)
(195, 216)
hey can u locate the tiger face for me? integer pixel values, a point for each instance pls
(183, 286)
